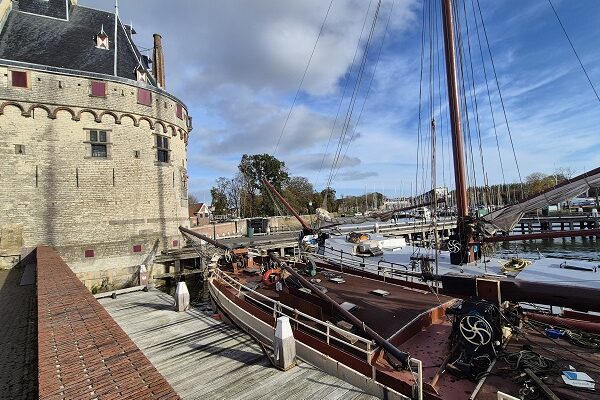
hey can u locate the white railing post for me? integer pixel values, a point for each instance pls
(418, 388)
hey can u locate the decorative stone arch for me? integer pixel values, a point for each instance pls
(74, 116)
(164, 128)
(173, 130)
(112, 114)
(130, 116)
(147, 120)
(38, 105)
(14, 104)
(87, 110)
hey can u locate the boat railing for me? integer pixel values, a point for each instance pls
(345, 338)
(359, 262)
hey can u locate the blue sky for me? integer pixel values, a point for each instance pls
(237, 65)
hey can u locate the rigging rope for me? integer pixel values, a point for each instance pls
(349, 112)
(474, 100)
(574, 51)
(302, 80)
(345, 88)
(501, 99)
(472, 178)
(368, 90)
(487, 86)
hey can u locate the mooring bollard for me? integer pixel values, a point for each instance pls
(182, 297)
(143, 275)
(284, 345)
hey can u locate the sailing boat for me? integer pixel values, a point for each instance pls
(388, 332)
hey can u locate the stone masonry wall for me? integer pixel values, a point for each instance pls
(55, 193)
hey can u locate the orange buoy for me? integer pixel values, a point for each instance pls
(271, 276)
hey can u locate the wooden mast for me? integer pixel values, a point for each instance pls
(465, 235)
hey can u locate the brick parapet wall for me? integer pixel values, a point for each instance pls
(82, 352)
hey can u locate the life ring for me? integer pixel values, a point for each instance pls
(271, 276)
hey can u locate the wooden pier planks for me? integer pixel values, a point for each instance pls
(82, 352)
(205, 358)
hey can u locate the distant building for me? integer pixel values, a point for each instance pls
(94, 161)
(439, 192)
(199, 214)
(396, 203)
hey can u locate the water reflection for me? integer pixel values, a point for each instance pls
(581, 248)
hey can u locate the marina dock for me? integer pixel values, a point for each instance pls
(205, 358)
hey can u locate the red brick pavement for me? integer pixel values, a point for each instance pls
(82, 352)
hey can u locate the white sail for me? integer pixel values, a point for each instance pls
(506, 218)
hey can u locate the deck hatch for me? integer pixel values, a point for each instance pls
(380, 292)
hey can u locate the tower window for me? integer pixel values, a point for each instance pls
(144, 97)
(179, 111)
(19, 79)
(98, 89)
(99, 143)
(162, 149)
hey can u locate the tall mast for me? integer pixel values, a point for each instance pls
(465, 236)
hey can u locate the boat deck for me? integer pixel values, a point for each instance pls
(205, 358)
(546, 269)
(394, 311)
(564, 355)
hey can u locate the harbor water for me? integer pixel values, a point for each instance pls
(580, 248)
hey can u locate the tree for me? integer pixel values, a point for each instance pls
(192, 199)
(219, 200)
(254, 169)
(298, 192)
(226, 195)
(328, 197)
(539, 182)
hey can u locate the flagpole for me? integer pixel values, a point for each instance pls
(116, 34)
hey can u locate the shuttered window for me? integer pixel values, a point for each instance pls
(144, 97)
(179, 111)
(98, 89)
(19, 78)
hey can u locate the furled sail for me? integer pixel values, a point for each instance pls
(324, 216)
(505, 219)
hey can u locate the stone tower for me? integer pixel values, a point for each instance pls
(93, 163)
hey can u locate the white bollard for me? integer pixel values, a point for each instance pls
(376, 228)
(182, 297)
(143, 275)
(284, 345)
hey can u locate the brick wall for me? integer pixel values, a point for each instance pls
(56, 194)
(82, 352)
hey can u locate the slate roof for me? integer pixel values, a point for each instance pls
(50, 8)
(69, 44)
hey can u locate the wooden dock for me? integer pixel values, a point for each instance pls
(205, 358)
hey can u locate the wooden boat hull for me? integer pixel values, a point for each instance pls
(315, 353)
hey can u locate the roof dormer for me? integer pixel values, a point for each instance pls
(140, 74)
(102, 39)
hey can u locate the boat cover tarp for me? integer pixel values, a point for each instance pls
(506, 218)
